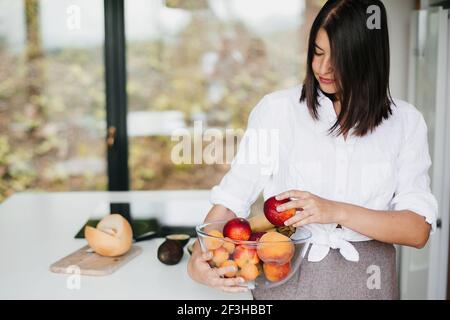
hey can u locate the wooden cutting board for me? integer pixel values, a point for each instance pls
(92, 264)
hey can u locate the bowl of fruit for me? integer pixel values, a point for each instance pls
(264, 254)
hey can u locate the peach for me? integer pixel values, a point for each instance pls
(229, 245)
(274, 247)
(228, 263)
(276, 272)
(213, 242)
(249, 272)
(244, 254)
(220, 255)
(277, 218)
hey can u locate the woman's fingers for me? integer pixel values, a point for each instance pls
(307, 220)
(214, 277)
(232, 285)
(294, 204)
(293, 194)
(287, 195)
(297, 218)
(230, 282)
(206, 256)
(222, 271)
(225, 282)
(234, 289)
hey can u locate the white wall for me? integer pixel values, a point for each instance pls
(399, 12)
(422, 271)
(412, 263)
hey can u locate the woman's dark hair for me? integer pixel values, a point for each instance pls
(360, 59)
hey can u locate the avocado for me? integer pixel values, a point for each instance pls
(190, 247)
(170, 252)
(180, 237)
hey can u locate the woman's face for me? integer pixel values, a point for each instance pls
(321, 64)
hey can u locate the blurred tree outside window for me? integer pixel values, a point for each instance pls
(187, 61)
(52, 104)
(209, 61)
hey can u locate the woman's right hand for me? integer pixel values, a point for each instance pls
(200, 271)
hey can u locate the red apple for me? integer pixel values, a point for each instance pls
(237, 229)
(277, 218)
(255, 236)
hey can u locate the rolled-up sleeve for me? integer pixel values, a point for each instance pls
(252, 167)
(413, 185)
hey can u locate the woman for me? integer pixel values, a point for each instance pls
(350, 159)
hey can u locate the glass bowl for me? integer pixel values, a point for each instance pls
(265, 263)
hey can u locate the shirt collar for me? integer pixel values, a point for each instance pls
(328, 114)
(326, 109)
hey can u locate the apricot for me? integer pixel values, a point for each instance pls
(214, 241)
(244, 254)
(220, 255)
(276, 272)
(249, 272)
(273, 247)
(229, 245)
(228, 263)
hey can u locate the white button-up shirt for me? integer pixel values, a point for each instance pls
(284, 148)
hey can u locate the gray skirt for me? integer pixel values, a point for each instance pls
(373, 277)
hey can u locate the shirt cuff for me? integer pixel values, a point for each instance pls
(230, 201)
(429, 212)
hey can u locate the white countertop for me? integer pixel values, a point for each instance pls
(37, 229)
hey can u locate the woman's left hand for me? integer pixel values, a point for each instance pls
(314, 209)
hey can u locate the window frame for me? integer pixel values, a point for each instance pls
(116, 95)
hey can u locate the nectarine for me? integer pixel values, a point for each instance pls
(255, 236)
(237, 229)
